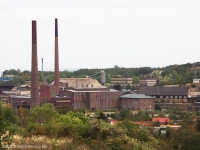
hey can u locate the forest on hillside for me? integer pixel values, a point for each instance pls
(173, 74)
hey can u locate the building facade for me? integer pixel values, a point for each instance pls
(123, 82)
(97, 98)
(148, 81)
(167, 94)
(137, 102)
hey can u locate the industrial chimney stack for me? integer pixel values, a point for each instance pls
(56, 73)
(34, 69)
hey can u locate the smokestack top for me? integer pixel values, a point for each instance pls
(56, 27)
(34, 33)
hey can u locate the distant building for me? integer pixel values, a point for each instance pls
(5, 88)
(123, 82)
(61, 101)
(125, 91)
(78, 82)
(9, 76)
(137, 101)
(167, 94)
(196, 80)
(168, 97)
(162, 120)
(47, 93)
(5, 79)
(20, 101)
(93, 98)
(148, 81)
(194, 107)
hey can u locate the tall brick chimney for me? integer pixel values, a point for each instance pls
(56, 73)
(34, 69)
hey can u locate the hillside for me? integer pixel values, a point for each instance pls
(173, 74)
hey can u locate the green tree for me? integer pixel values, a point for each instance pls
(157, 107)
(102, 116)
(41, 114)
(135, 80)
(142, 116)
(64, 109)
(157, 123)
(7, 126)
(21, 113)
(134, 131)
(116, 67)
(198, 124)
(125, 113)
(185, 140)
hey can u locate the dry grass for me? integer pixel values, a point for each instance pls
(44, 142)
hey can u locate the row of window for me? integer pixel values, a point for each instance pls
(171, 96)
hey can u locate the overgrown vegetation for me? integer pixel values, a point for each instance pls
(7, 125)
(52, 129)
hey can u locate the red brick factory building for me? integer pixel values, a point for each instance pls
(85, 95)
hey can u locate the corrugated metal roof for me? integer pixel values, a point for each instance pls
(135, 96)
(159, 90)
(111, 90)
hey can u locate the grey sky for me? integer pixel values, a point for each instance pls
(100, 33)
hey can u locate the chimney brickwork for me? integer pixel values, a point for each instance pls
(56, 73)
(34, 69)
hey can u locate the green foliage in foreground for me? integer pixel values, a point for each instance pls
(96, 133)
(80, 130)
(185, 140)
(7, 127)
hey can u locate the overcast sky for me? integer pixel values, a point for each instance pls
(100, 33)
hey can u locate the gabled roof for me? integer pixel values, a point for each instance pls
(78, 82)
(136, 96)
(159, 90)
(161, 119)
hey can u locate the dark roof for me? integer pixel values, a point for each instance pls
(125, 91)
(149, 78)
(135, 96)
(159, 90)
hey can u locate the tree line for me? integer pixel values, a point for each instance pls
(173, 74)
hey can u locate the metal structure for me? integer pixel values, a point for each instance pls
(103, 77)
